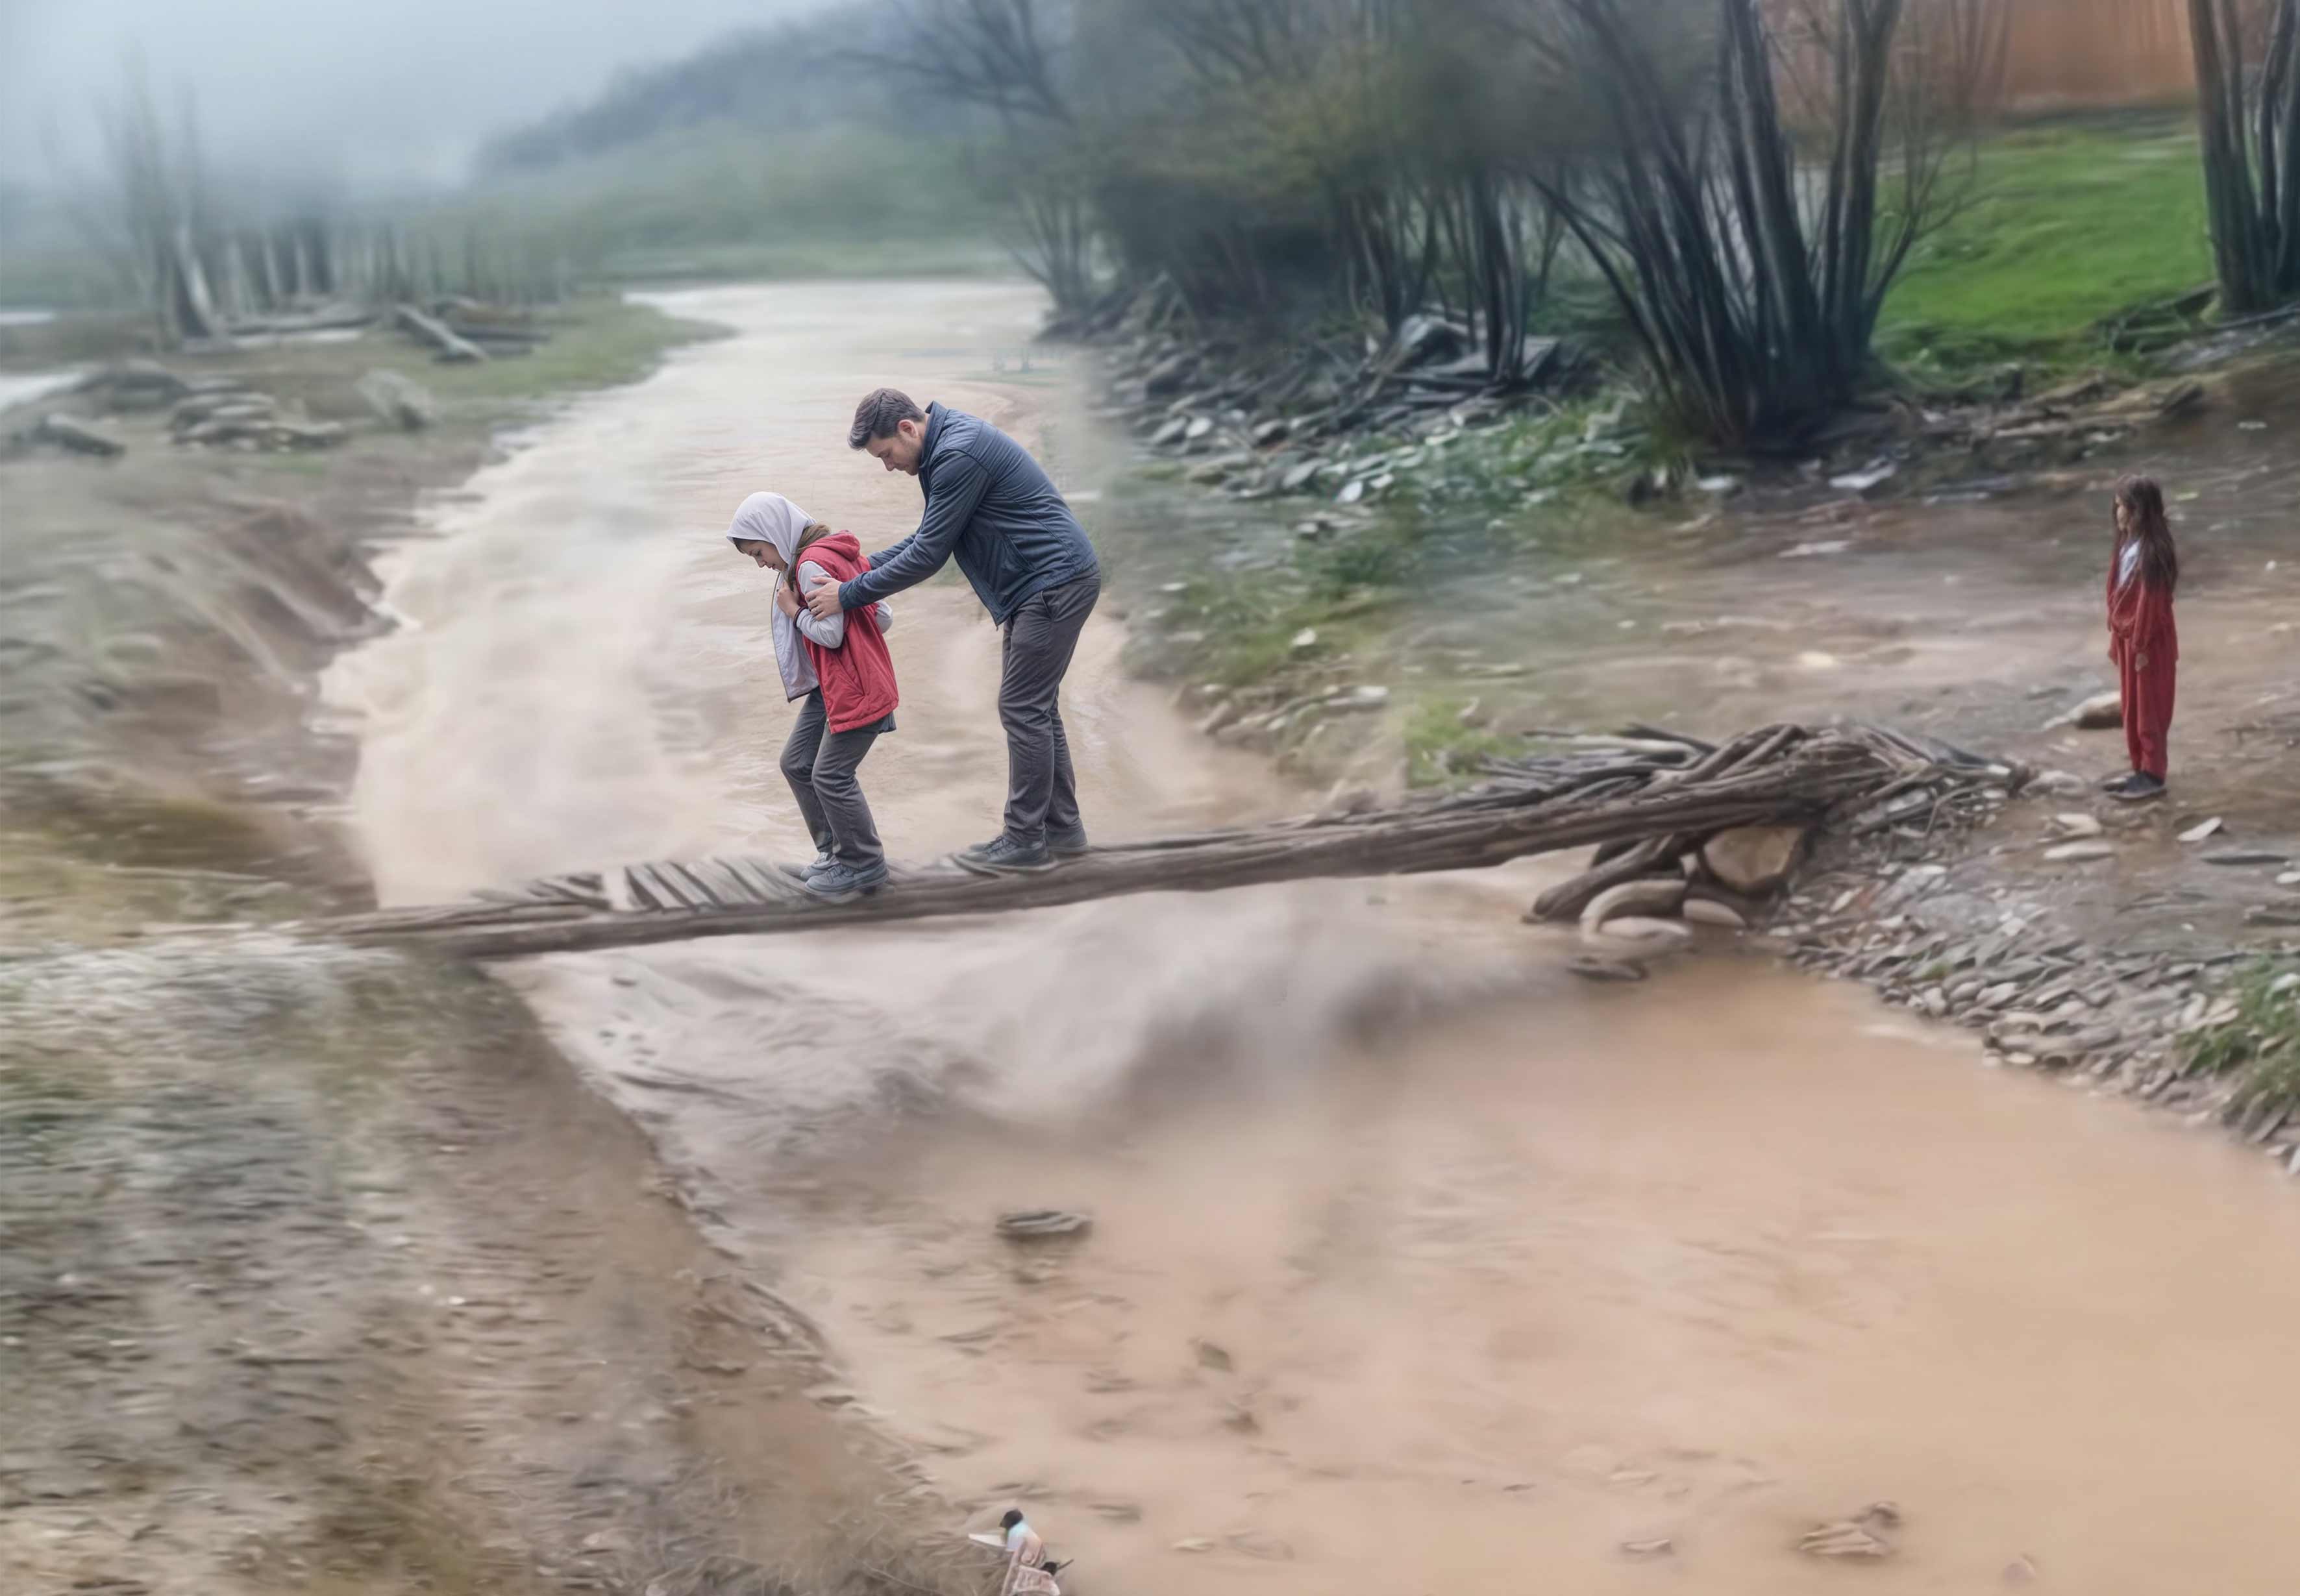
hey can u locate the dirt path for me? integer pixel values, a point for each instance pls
(1414, 1265)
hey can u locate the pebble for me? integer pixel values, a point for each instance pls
(2198, 833)
(2070, 852)
(2076, 826)
(2235, 856)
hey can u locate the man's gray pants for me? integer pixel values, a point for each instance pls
(1041, 635)
(820, 765)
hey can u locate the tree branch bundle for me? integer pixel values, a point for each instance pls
(1654, 785)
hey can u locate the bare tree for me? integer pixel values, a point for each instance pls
(149, 215)
(1753, 278)
(2247, 55)
(1007, 57)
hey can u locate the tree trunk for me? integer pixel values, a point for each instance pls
(1630, 790)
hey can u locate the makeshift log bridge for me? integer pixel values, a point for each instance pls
(1650, 794)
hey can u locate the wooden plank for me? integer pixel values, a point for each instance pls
(1773, 775)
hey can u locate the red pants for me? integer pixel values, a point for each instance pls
(2148, 712)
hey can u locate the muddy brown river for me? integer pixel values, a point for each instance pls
(1416, 1265)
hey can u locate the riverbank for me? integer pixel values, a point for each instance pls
(1485, 584)
(323, 1271)
(1310, 1123)
(1393, 1217)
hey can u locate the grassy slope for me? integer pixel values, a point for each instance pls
(2072, 222)
(719, 202)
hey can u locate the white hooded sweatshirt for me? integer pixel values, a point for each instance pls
(772, 520)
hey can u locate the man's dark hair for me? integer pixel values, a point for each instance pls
(877, 416)
(1013, 1515)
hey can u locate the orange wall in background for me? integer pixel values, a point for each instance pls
(2098, 52)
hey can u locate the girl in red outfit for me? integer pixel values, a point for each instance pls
(2142, 641)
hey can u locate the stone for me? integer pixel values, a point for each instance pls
(1637, 930)
(2102, 712)
(2057, 784)
(2274, 914)
(398, 399)
(2236, 858)
(2200, 831)
(1653, 896)
(1351, 492)
(1212, 1357)
(1658, 1546)
(1269, 432)
(2075, 826)
(2289, 878)
(1755, 859)
(1199, 426)
(1297, 477)
(1038, 1225)
(1870, 477)
(1306, 639)
(1863, 1536)
(1591, 968)
(1168, 375)
(1171, 434)
(79, 437)
(2075, 852)
(1358, 699)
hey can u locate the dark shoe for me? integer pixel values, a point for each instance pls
(1066, 844)
(823, 861)
(1002, 855)
(842, 882)
(2138, 787)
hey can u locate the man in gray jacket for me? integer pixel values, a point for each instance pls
(992, 507)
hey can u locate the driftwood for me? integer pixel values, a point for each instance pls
(1674, 791)
(451, 345)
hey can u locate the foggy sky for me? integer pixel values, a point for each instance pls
(378, 93)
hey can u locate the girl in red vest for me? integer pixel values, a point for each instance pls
(840, 674)
(2142, 641)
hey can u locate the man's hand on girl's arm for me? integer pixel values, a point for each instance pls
(822, 598)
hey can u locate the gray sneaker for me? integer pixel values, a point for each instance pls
(841, 881)
(822, 861)
(1066, 844)
(1002, 855)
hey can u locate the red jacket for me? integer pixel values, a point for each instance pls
(2139, 619)
(858, 676)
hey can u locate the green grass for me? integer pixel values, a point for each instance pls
(2261, 1045)
(803, 259)
(596, 342)
(2071, 223)
(1440, 750)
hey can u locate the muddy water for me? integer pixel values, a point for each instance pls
(1415, 1264)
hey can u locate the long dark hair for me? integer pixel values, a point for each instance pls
(2143, 508)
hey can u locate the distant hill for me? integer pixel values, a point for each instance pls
(801, 74)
